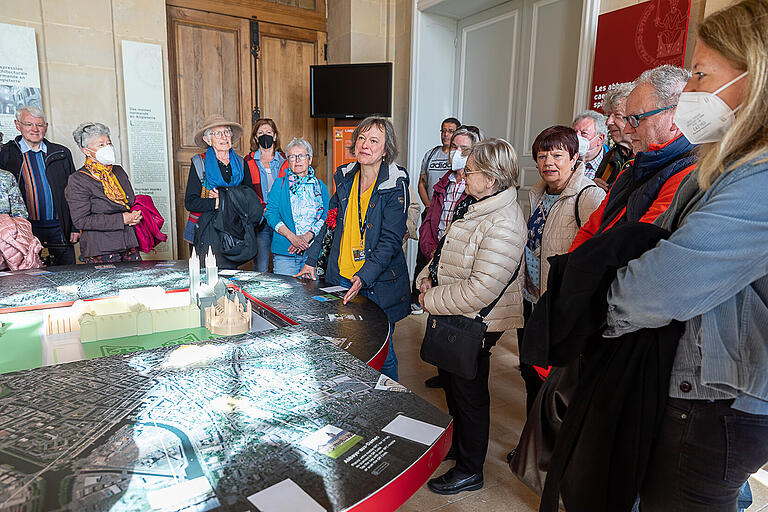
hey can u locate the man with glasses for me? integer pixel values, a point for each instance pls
(435, 164)
(663, 156)
(590, 126)
(42, 169)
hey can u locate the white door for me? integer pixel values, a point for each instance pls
(516, 73)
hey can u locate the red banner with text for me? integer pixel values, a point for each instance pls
(637, 38)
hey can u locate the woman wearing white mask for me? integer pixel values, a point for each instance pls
(100, 197)
(712, 274)
(448, 191)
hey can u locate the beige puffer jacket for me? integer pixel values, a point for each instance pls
(479, 256)
(561, 228)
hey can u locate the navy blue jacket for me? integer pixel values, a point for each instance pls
(384, 273)
(639, 185)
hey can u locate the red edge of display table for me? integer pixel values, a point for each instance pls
(399, 490)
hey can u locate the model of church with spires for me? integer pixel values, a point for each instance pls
(222, 311)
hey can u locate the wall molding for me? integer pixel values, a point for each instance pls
(590, 13)
(513, 67)
(531, 64)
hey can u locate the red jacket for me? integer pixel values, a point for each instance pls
(148, 230)
(656, 208)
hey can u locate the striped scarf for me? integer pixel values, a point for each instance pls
(34, 184)
(104, 174)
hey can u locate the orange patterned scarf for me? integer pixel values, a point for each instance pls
(104, 174)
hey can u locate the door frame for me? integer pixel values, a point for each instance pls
(262, 10)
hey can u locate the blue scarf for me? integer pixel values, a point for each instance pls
(307, 189)
(213, 177)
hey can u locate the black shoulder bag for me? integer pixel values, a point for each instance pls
(453, 342)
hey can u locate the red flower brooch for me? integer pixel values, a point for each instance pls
(330, 220)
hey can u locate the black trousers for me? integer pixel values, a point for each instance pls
(52, 237)
(704, 453)
(421, 262)
(469, 402)
(533, 381)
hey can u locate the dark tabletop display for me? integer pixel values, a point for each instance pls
(302, 301)
(249, 422)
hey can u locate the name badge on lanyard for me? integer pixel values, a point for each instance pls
(358, 254)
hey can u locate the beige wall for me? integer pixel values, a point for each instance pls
(376, 31)
(80, 58)
(79, 49)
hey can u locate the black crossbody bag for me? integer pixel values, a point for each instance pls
(453, 342)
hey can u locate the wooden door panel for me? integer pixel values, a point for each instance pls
(285, 57)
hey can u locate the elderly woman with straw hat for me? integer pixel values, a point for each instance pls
(216, 168)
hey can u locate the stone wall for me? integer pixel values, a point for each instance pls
(79, 52)
(376, 31)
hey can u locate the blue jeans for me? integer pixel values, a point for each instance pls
(263, 245)
(389, 368)
(288, 265)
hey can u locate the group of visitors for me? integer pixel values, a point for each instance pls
(53, 205)
(642, 254)
(655, 223)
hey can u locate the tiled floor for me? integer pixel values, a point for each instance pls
(502, 491)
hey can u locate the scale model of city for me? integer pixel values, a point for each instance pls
(140, 311)
(210, 425)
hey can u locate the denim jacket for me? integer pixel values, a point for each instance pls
(712, 273)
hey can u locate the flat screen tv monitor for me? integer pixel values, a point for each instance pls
(351, 91)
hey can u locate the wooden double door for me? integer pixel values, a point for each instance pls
(212, 72)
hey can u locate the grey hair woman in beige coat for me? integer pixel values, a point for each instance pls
(474, 261)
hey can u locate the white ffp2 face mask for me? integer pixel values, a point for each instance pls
(105, 155)
(703, 116)
(583, 146)
(457, 160)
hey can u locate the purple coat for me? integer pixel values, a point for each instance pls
(428, 231)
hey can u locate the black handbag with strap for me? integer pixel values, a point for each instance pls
(453, 342)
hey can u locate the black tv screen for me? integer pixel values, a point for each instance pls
(351, 91)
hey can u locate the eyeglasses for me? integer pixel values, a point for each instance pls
(36, 125)
(222, 133)
(467, 170)
(447, 131)
(298, 158)
(634, 120)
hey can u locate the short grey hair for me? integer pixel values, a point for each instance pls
(86, 132)
(31, 110)
(597, 118)
(614, 96)
(383, 124)
(667, 81)
(475, 137)
(299, 142)
(498, 159)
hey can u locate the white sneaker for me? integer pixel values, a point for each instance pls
(416, 309)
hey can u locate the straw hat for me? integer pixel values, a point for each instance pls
(213, 121)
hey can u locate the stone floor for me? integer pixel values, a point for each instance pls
(502, 491)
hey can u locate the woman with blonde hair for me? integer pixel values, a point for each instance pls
(472, 266)
(712, 274)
